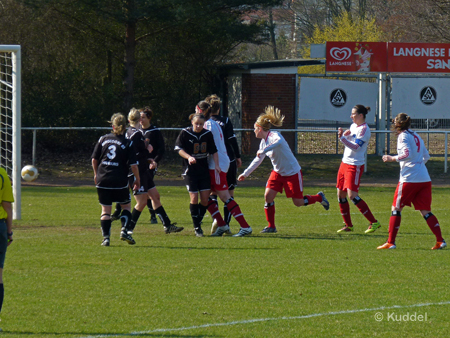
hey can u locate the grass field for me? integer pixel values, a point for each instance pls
(304, 281)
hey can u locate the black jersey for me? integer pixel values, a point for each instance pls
(155, 138)
(229, 136)
(197, 145)
(136, 136)
(115, 154)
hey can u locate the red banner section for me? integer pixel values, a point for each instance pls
(390, 57)
(356, 57)
(418, 57)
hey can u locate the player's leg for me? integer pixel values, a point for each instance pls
(3, 248)
(344, 207)
(401, 199)
(150, 205)
(124, 198)
(269, 210)
(435, 227)
(105, 200)
(169, 227)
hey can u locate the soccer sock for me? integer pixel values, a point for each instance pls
(194, 209)
(433, 223)
(345, 211)
(125, 219)
(226, 215)
(117, 211)
(394, 225)
(269, 209)
(201, 212)
(2, 295)
(311, 199)
(213, 209)
(234, 209)
(364, 209)
(163, 216)
(135, 214)
(106, 228)
(150, 208)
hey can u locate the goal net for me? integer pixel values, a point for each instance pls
(10, 119)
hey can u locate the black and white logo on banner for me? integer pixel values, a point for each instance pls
(428, 95)
(338, 98)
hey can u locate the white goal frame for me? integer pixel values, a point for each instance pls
(15, 162)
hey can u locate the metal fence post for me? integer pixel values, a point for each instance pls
(33, 158)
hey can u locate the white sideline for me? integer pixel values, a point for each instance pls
(269, 319)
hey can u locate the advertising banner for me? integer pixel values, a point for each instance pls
(333, 100)
(356, 57)
(418, 57)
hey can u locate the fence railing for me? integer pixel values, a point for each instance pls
(310, 141)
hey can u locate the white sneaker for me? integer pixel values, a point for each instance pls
(221, 230)
(244, 232)
(214, 226)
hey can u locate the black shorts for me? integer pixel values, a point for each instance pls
(232, 175)
(143, 189)
(196, 183)
(107, 197)
(3, 242)
(149, 175)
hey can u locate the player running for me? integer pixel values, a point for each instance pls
(414, 186)
(232, 152)
(355, 141)
(193, 145)
(219, 180)
(286, 173)
(113, 155)
(153, 136)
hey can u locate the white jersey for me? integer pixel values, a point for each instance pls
(356, 144)
(279, 152)
(224, 161)
(412, 156)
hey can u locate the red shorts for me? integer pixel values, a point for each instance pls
(349, 177)
(218, 181)
(418, 194)
(293, 185)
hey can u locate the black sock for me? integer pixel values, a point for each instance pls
(125, 219)
(163, 216)
(201, 212)
(194, 209)
(2, 295)
(117, 211)
(150, 208)
(226, 215)
(106, 227)
(135, 214)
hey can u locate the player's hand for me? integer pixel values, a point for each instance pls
(388, 158)
(10, 239)
(347, 132)
(153, 164)
(241, 178)
(340, 132)
(136, 185)
(150, 148)
(217, 169)
(192, 160)
(238, 162)
(95, 179)
(258, 153)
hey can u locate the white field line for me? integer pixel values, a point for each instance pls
(249, 321)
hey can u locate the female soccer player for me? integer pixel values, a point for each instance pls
(414, 186)
(286, 173)
(113, 155)
(219, 183)
(233, 152)
(153, 136)
(355, 141)
(193, 145)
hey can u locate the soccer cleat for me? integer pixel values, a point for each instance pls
(387, 246)
(127, 237)
(221, 230)
(153, 219)
(115, 217)
(105, 242)
(214, 226)
(325, 203)
(373, 227)
(228, 232)
(244, 232)
(269, 230)
(439, 245)
(346, 229)
(198, 232)
(172, 228)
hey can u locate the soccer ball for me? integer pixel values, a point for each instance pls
(29, 173)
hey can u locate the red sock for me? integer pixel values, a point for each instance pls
(234, 209)
(213, 209)
(433, 223)
(345, 211)
(269, 209)
(394, 225)
(313, 199)
(364, 208)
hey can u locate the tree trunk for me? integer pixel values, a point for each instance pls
(272, 35)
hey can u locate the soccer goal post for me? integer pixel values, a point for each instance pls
(10, 119)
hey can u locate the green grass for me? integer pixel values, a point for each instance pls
(60, 282)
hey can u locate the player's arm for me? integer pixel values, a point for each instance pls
(95, 168)
(255, 164)
(161, 147)
(354, 144)
(216, 162)
(137, 179)
(7, 206)
(276, 141)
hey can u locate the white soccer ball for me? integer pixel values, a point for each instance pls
(29, 173)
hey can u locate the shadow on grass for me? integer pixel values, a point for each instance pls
(93, 335)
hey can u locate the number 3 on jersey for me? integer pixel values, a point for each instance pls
(112, 152)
